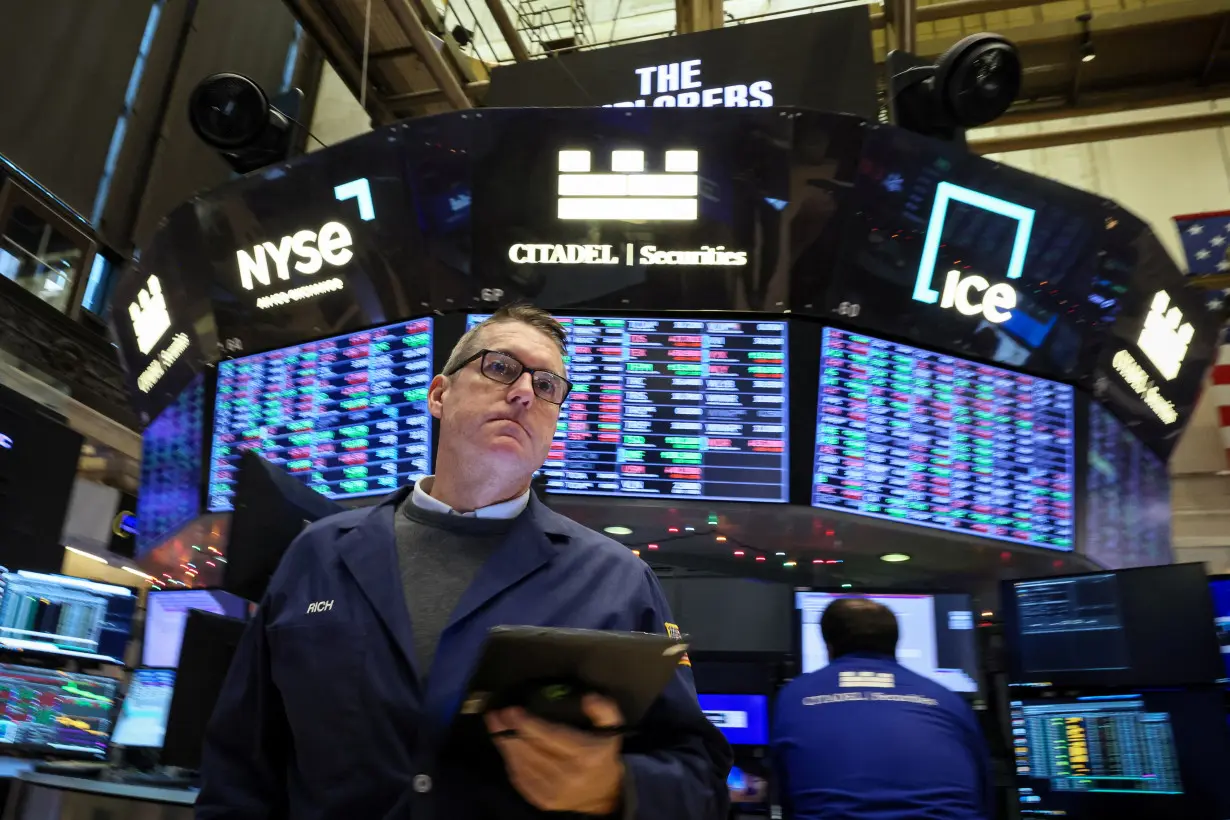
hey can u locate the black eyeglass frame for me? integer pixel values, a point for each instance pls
(482, 354)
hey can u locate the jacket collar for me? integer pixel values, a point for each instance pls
(368, 548)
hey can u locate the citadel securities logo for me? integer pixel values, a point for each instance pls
(149, 314)
(1163, 339)
(627, 193)
(972, 294)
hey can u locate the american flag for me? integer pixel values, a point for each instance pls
(1206, 244)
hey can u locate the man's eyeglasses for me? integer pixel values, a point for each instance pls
(505, 369)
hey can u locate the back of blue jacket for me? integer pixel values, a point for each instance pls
(864, 738)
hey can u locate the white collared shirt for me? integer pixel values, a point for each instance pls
(505, 509)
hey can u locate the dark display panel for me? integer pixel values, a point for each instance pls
(171, 468)
(347, 416)
(55, 712)
(936, 634)
(1151, 626)
(1127, 492)
(924, 438)
(1031, 288)
(1220, 587)
(673, 408)
(166, 615)
(1134, 755)
(62, 615)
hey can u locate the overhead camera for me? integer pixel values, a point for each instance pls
(232, 114)
(971, 84)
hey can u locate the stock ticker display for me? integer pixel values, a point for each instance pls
(171, 467)
(1127, 507)
(347, 416)
(925, 438)
(54, 710)
(672, 408)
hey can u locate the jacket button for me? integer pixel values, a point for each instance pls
(422, 783)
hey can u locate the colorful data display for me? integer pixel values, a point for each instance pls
(1127, 491)
(171, 468)
(347, 416)
(673, 408)
(930, 439)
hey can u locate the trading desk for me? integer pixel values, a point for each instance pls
(36, 796)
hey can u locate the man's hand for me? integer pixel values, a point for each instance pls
(557, 768)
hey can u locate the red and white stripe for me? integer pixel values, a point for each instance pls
(1221, 394)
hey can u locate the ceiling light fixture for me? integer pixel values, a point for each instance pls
(617, 530)
(847, 586)
(672, 529)
(1088, 52)
(761, 558)
(894, 557)
(721, 539)
(136, 571)
(788, 563)
(637, 553)
(738, 553)
(779, 553)
(652, 546)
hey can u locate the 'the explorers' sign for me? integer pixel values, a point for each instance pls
(678, 85)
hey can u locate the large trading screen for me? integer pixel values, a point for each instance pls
(682, 408)
(347, 416)
(62, 615)
(1127, 511)
(166, 615)
(171, 468)
(55, 711)
(926, 438)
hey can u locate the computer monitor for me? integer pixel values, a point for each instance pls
(743, 719)
(936, 633)
(1147, 754)
(209, 645)
(1219, 586)
(143, 717)
(166, 614)
(47, 710)
(1151, 626)
(271, 509)
(63, 615)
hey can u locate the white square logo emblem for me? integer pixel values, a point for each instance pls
(628, 192)
(149, 315)
(1163, 339)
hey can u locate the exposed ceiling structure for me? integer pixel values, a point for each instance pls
(427, 56)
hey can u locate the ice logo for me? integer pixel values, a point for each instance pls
(149, 315)
(1164, 340)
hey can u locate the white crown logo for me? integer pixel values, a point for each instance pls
(1163, 339)
(628, 192)
(149, 315)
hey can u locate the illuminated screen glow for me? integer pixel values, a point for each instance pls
(347, 416)
(672, 408)
(171, 468)
(926, 438)
(937, 634)
(1127, 508)
(1220, 587)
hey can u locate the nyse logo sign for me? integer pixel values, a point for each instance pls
(310, 251)
(1163, 339)
(972, 294)
(150, 318)
(627, 191)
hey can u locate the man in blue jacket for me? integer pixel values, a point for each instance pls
(864, 738)
(341, 700)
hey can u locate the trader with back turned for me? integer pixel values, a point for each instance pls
(345, 711)
(864, 738)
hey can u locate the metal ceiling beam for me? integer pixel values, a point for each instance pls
(445, 79)
(1105, 133)
(957, 8)
(401, 102)
(1110, 102)
(508, 30)
(340, 55)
